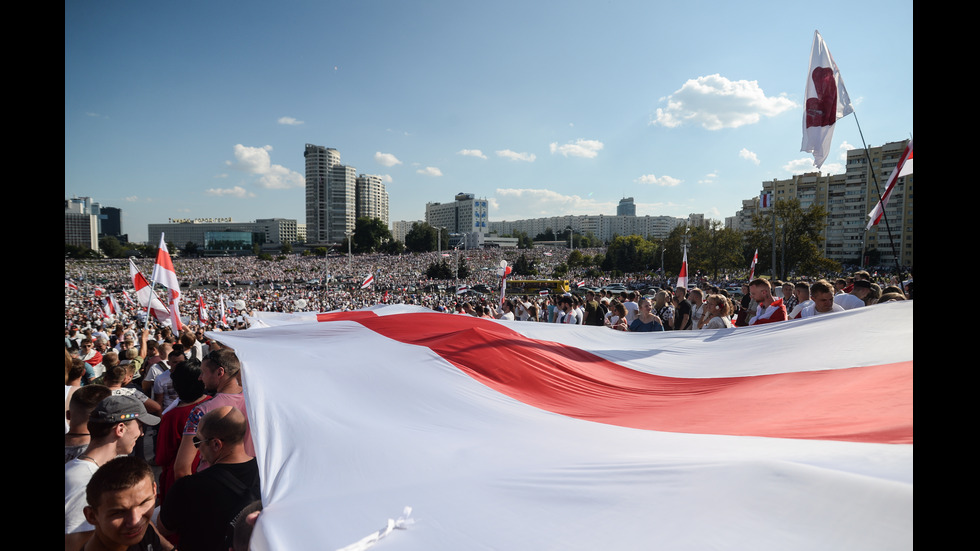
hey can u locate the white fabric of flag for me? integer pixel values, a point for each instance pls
(826, 101)
(363, 424)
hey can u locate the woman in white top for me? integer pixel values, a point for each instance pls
(717, 309)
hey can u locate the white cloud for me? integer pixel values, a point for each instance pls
(804, 165)
(386, 159)
(708, 178)
(748, 155)
(429, 171)
(221, 175)
(237, 191)
(580, 148)
(386, 178)
(256, 160)
(471, 153)
(289, 121)
(666, 181)
(715, 102)
(131, 199)
(515, 156)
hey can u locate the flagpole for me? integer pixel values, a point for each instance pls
(874, 178)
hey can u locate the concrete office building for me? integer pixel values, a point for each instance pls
(81, 226)
(331, 198)
(203, 231)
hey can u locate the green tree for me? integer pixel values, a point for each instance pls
(369, 235)
(463, 271)
(524, 267)
(111, 247)
(424, 238)
(439, 270)
(576, 258)
(629, 254)
(286, 248)
(715, 248)
(393, 247)
(801, 230)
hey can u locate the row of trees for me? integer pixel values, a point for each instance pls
(715, 249)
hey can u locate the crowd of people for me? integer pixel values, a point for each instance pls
(141, 393)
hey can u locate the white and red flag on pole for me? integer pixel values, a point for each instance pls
(461, 290)
(115, 303)
(367, 281)
(541, 427)
(903, 168)
(682, 276)
(70, 284)
(755, 260)
(107, 308)
(99, 291)
(221, 310)
(826, 101)
(165, 274)
(202, 310)
(145, 295)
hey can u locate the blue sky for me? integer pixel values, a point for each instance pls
(202, 109)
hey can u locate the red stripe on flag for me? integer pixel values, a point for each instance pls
(858, 404)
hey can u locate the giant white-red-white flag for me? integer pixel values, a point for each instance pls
(682, 276)
(826, 101)
(755, 260)
(145, 295)
(903, 168)
(517, 435)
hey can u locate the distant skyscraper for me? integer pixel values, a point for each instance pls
(372, 198)
(626, 207)
(112, 221)
(330, 195)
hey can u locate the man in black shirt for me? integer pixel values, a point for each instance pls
(682, 318)
(200, 507)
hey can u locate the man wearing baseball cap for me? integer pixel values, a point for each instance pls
(114, 426)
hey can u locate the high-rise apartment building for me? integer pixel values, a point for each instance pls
(848, 198)
(372, 198)
(331, 198)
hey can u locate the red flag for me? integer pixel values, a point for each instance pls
(367, 282)
(903, 168)
(765, 200)
(755, 259)
(70, 284)
(826, 101)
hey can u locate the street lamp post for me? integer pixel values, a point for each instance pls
(350, 235)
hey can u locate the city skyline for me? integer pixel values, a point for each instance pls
(545, 109)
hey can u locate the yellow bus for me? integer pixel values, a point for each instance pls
(535, 286)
